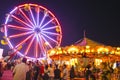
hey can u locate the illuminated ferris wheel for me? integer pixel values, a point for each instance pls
(34, 28)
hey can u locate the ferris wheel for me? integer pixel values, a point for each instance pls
(34, 28)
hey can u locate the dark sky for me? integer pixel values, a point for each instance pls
(100, 18)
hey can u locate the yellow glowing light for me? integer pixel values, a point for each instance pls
(73, 61)
(73, 49)
(100, 49)
(27, 7)
(118, 48)
(57, 29)
(3, 42)
(82, 51)
(20, 47)
(98, 62)
(52, 52)
(92, 50)
(117, 53)
(106, 49)
(59, 52)
(87, 46)
(46, 43)
(112, 51)
(87, 50)
(59, 48)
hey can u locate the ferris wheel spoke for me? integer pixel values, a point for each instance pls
(33, 18)
(13, 10)
(41, 43)
(49, 28)
(26, 17)
(36, 47)
(50, 38)
(43, 19)
(47, 23)
(51, 33)
(18, 27)
(19, 35)
(38, 11)
(22, 42)
(46, 41)
(29, 45)
(19, 20)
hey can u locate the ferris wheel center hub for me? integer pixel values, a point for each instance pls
(37, 30)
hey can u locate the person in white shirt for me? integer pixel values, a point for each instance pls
(20, 70)
(51, 72)
(65, 72)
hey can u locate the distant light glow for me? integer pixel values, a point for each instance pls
(1, 52)
(114, 65)
(98, 62)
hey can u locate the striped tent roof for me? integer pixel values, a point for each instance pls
(86, 41)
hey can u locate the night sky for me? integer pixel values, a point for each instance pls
(99, 18)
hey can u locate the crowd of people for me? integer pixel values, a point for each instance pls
(29, 70)
(37, 70)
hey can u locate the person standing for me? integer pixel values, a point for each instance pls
(57, 73)
(41, 71)
(36, 70)
(20, 70)
(30, 73)
(7, 73)
(1, 70)
(88, 73)
(51, 74)
(65, 72)
(72, 73)
(46, 73)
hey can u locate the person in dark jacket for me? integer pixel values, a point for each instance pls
(36, 70)
(72, 73)
(88, 72)
(57, 73)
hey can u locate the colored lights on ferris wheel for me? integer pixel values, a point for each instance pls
(30, 26)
